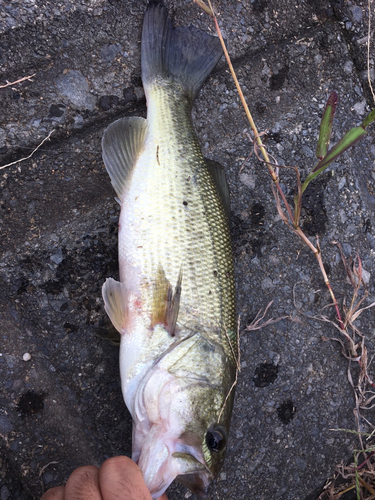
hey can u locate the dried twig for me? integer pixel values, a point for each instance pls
(293, 223)
(367, 486)
(368, 49)
(42, 470)
(8, 84)
(31, 154)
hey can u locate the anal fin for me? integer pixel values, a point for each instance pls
(115, 297)
(166, 302)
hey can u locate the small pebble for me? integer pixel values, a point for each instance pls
(360, 107)
(26, 356)
(366, 276)
(356, 13)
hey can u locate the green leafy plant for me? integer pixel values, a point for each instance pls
(325, 157)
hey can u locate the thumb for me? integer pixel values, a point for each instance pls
(120, 477)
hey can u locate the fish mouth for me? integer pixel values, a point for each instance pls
(196, 477)
(188, 470)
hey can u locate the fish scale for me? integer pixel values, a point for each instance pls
(164, 232)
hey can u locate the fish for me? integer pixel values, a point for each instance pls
(174, 305)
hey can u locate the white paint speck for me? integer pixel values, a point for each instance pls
(248, 179)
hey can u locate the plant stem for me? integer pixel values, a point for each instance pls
(318, 255)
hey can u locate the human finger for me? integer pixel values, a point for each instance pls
(83, 484)
(120, 477)
(56, 493)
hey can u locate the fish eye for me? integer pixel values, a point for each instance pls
(216, 439)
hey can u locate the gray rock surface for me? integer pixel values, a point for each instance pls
(58, 220)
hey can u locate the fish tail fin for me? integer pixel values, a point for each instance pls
(185, 55)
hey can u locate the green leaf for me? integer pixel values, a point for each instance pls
(350, 138)
(369, 119)
(326, 126)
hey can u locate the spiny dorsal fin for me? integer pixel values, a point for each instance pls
(115, 297)
(218, 174)
(123, 142)
(165, 303)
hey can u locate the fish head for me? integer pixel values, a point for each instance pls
(183, 422)
(191, 451)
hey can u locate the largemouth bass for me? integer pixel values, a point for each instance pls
(175, 303)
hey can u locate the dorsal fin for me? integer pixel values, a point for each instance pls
(123, 142)
(165, 303)
(218, 174)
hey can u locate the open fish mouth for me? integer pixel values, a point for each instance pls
(185, 467)
(166, 455)
(197, 476)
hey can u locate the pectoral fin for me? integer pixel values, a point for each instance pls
(115, 297)
(123, 142)
(166, 303)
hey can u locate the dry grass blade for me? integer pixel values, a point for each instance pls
(256, 324)
(336, 497)
(347, 268)
(203, 6)
(43, 469)
(280, 210)
(360, 311)
(367, 486)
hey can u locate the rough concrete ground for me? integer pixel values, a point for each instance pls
(63, 407)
